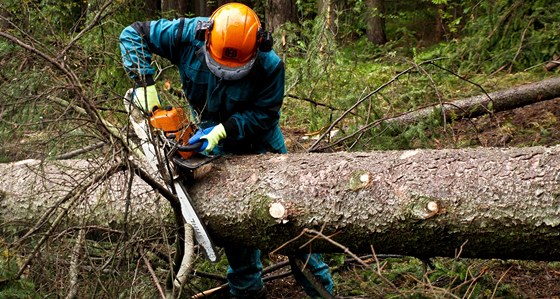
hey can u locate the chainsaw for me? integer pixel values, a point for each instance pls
(164, 140)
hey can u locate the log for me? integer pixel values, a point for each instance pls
(554, 63)
(31, 188)
(480, 202)
(475, 106)
(494, 203)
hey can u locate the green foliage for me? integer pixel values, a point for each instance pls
(506, 35)
(9, 286)
(414, 278)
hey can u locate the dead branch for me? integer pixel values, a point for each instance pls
(73, 198)
(554, 63)
(74, 262)
(152, 274)
(89, 27)
(313, 147)
(83, 150)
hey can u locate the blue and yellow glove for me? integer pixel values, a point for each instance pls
(146, 98)
(209, 137)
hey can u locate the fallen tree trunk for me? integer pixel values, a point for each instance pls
(494, 203)
(554, 63)
(484, 202)
(464, 108)
(475, 106)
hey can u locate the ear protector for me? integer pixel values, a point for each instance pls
(264, 38)
(202, 27)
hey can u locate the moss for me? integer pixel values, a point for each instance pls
(358, 180)
(260, 204)
(417, 208)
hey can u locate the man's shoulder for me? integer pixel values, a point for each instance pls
(270, 61)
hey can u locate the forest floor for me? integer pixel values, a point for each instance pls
(536, 124)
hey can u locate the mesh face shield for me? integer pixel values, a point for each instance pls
(225, 72)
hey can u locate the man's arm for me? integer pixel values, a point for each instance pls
(265, 111)
(139, 41)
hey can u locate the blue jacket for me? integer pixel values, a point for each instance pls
(248, 108)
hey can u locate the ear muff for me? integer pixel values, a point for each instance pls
(201, 29)
(264, 40)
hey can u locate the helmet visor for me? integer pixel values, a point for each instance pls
(226, 72)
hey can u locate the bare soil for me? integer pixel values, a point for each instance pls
(531, 125)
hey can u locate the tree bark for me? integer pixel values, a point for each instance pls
(206, 8)
(376, 22)
(30, 188)
(482, 202)
(279, 12)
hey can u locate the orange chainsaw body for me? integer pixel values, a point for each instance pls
(174, 121)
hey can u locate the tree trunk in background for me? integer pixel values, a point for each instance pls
(439, 29)
(326, 8)
(203, 8)
(376, 22)
(153, 8)
(79, 10)
(482, 202)
(180, 7)
(4, 14)
(206, 8)
(279, 12)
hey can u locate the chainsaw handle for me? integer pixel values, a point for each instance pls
(195, 147)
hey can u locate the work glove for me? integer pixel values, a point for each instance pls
(146, 98)
(209, 137)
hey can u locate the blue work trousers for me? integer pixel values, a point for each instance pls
(245, 271)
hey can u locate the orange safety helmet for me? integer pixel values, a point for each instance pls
(232, 39)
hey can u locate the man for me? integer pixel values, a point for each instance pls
(234, 83)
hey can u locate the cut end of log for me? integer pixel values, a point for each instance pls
(278, 212)
(433, 207)
(364, 178)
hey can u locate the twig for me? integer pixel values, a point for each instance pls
(152, 274)
(347, 251)
(520, 46)
(80, 151)
(225, 286)
(73, 197)
(52, 60)
(440, 101)
(315, 103)
(314, 145)
(458, 254)
(376, 259)
(187, 259)
(500, 280)
(85, 30)
(74, 261)
(389, 119)
(277, 276)
(209, 292)
(213, 276)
